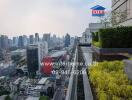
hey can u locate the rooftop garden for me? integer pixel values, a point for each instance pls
(109, 81)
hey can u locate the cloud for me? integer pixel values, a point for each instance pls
(55, 16)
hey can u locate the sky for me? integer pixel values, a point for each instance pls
(25, 17)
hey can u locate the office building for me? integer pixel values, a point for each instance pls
(36, 37)
(0, 41)
(10, 43)
(25, 40)
(31, 39)
(46, 37)
(20, 42)
(67, 40)
(15, 41)
(35, 54)
(122, 12)
(4, 42)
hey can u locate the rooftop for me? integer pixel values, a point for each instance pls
(43, 80)
(32, 98)
(58, 53)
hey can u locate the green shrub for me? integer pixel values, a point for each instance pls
(120, 37)
(97, 44)
(110, 81)
(95, 36)
(44, 98)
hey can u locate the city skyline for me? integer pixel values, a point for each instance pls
(58, 16)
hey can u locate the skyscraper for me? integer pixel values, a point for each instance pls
(46, 37)
(4, 42)
(25, 40)
(0, 41)
(15, 41)
(67, 40)
(32, 60)
(31, 39)
(21, 42)
(36, 37)
(35, 54)
(10, 43)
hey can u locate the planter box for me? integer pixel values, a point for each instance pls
(128, 68)
(110, 54)
(104, 51)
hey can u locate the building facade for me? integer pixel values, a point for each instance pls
(94, 27)
(15, 41)
(35, 54)
(47, 38)
(4, 42)
(31, 39)
(67, 40)
(36, 37)
(86, 38)
(122, 12)
(20, 42)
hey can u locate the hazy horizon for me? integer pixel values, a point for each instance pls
(22, 17)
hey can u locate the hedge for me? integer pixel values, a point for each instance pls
(44, 98)
(119, 37)
(95, 36)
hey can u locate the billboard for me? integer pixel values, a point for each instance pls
(47, 66)
(98, 11)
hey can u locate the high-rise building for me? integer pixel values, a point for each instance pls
(10, 43)
(31, 39)
(15, 41)
(35, 54)
(21, 42)
(72, 41)
(0, 41)
(4, 42)
(32, 60)
(46, 37)
(122, 12)
(67, 40)
(25, 40)
(36, 37)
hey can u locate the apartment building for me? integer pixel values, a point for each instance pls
(122, 12)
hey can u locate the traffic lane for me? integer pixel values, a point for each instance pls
(59, 95)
